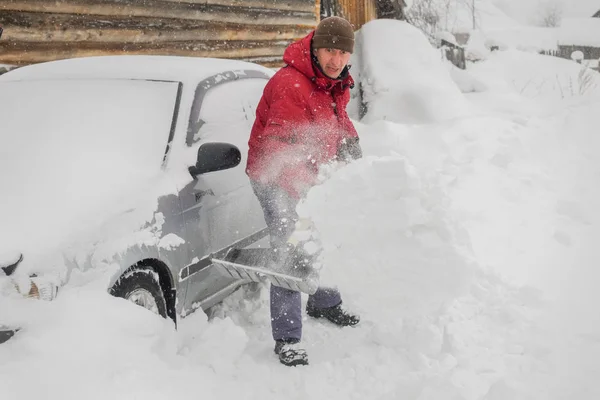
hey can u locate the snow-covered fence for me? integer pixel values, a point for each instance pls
(453, 53)
(589, 52)
(566, 52)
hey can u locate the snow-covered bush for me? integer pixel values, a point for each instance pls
(577, 56)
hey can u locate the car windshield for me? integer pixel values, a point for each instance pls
(123, 119)
(68, 147)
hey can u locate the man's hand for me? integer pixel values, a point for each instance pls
(349, 150)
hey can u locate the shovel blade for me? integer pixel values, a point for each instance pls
(306, 284)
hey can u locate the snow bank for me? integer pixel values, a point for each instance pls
(385, 201)
(476, 49)
(465, 81)
(403, 78)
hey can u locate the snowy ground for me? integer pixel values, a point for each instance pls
(467, 243)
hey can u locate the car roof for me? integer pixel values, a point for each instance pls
(169, 68)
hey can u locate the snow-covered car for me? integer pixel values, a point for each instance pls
(130, 170)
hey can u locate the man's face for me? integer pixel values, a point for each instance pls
(332, 61)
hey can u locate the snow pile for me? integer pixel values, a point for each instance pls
(476, 49)
(447, 36)
(406, 215)
(465, 81)
(403, 78)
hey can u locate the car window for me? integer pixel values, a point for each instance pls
(224, 107)
(78, 148)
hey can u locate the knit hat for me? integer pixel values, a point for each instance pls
(334, 33)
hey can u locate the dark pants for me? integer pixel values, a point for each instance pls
(286, 307)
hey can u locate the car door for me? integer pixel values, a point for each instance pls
(220, 209)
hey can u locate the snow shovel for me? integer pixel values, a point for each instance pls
(253, 265)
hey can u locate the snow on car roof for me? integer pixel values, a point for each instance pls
(172, 68)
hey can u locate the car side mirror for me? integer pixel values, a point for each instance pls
(215, 157)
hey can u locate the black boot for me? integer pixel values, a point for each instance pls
(335, 314)
(290, 353)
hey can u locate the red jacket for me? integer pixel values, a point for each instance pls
(301, 122)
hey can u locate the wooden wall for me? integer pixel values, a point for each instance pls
(253, 30)
(358, 12)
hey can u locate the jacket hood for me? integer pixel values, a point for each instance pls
(298, 55)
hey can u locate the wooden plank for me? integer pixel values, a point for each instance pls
(295, 5)
(35, 27)
(129, 35)
(358, 12)
(34, 52)
(163, 9)
(318, 11)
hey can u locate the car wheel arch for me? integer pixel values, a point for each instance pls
(165, 280)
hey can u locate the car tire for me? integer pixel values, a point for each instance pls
(142, 287)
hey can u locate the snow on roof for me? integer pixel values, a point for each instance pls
(447, 36)
(580, 31)
(131, 66)
(573, 31)
(526, 38)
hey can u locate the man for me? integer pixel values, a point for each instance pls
(301, 124)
